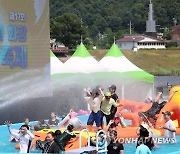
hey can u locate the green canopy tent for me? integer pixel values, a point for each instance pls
(115, 61)
(128, 76)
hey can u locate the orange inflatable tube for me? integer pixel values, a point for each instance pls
(133, 108)
(72, 144)
(128, 132)
(37, 136)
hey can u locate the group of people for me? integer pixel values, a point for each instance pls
(145, 142)
(101, 105)
(55, 142)
(105, 105)
(145, 132)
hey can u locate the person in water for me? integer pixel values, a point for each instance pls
(70, 118)
(63, 138)
(142, 148)
(25, 137)
(53, 121)
(114, 146)
(155, 108)
(49, 146)
(12, 138)
(145, 135)
(169, 127)
(101, 142)
(41, 124)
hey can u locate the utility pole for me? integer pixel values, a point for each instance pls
(81, 28)
(81, 22)
(99, 35)
(130, 24)
(114, 40)
(81, 38)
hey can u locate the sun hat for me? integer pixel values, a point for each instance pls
(108, 94)
(166, 113)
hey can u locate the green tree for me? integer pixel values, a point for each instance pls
(68, 29)
(99, 15)
(167, 35)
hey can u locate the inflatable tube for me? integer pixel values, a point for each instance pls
(132, 116)
(17, 146)
(39, 135)
(133, 106)
(72, 144)
(128, 132)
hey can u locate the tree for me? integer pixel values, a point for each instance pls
(99, 15)
(68, 29)
(167, 35)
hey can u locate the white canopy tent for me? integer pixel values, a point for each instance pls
(134, 82)
(82, 62)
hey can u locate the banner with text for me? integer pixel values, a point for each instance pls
(24, 49)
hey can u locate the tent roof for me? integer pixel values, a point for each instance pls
(82, 62)
(81, 51)
(115, 61)
(114, 51)
(56, 65)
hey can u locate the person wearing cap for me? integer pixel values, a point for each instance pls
(94, 98)
(112, 90)
(106, 104)
(114, 147)
(169, 127)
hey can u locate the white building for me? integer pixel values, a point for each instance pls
(139, 41)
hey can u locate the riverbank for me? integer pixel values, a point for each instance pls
(156, 62)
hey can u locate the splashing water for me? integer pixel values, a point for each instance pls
(24, 85)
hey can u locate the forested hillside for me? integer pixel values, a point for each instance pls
(104, 19)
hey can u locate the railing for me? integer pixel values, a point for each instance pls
(59, 49)
(80, 141)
